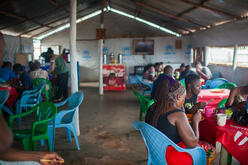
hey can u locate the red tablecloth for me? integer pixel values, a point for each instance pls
(208, 94)
(232, 136)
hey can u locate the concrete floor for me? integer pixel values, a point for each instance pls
(107, 135)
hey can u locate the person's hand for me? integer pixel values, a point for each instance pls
(196, 118)
(51, 158)
(197, 106)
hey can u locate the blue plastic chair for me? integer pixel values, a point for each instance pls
(214, 83)
(4, 94)
(149, 85)
(65, 118)
(157, 144)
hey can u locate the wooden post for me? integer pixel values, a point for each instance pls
(73, 35)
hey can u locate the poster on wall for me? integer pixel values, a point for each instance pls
(114, 77)
(170, 50)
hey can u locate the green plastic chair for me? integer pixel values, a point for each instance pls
(44, 113)
(145, 103)
(222, 103)
(37, 82)
(227, 86)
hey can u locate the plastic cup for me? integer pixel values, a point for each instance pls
(209, 111)
(221, 119)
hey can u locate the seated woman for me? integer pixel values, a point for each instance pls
(38, 72)
(168, 116)
(193, 88)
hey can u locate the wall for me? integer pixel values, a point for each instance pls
(223, 35)
(14, 45)
(87, 54)
(239, 76)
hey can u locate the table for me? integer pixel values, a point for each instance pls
(114, 77)
(233, 137)
(207, 94)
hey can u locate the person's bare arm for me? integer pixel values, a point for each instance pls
(6, 137)
(234, 92)
(18, 155)
(189, 136)
(203, 75)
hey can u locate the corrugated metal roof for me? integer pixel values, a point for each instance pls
(31, 18)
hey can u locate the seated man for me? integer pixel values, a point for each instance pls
(149, 73)
(193, 88)
(25, 81)
(168, 72)
(186, 72)
(204, 72)
(8, 153)
(237, 93)
(6, 73)
(38, 72)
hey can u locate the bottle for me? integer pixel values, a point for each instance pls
(104, 58)
(120, 58)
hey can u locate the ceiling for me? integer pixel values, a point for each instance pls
(32, 18)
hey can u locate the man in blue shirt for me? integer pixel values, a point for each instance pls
(25, 81)
(6, 73)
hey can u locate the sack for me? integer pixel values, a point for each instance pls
(240, 116)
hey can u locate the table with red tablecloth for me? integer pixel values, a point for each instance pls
(232, 136)
(215, 94)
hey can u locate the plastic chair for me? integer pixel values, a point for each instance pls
(157, 143)
(144, 103)
(214, 83)
(48, 92)
(149, 85)
(227, 86)
(29, 99)
(44, 113)
(65, 118)
(183, 82)
(222, 103)
(4, 94)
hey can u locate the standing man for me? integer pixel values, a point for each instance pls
(59, 67)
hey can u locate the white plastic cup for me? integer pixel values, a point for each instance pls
(221, 119)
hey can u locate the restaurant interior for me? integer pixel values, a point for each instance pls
(113, 82)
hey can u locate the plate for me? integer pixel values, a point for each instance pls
(218, 90)
(189, 116)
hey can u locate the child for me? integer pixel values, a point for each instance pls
(193, 88)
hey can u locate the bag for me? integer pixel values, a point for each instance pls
(240, 116)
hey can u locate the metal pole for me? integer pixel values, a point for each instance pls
(206, 56)
(234, 64)
(74, 78)
(100, 52)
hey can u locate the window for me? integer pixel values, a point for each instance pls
(221, 55)
(224, 55)
(242, 56)
(37, 51)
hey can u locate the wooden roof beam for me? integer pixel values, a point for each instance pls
(192, 8)
(167, 14)
(164, 22)
(210, 9)
(22, 18)
(32, 18)
(57, 5)
(54, 22)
